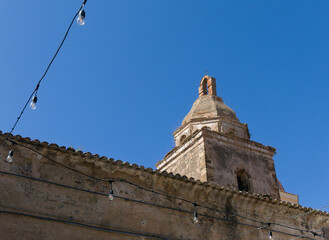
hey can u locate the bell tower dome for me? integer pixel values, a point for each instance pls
(209, 111)
(212, 145)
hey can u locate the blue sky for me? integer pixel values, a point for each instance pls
(124, 82)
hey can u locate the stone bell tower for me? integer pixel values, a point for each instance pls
(212, 145)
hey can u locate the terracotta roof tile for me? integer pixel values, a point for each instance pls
(165, 174)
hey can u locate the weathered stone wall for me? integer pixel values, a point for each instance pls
(188, 159)
(226, 155)
(214, 157)
(49, 203)
(216, 124)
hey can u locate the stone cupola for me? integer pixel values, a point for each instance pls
(212, 145)
(209, 111)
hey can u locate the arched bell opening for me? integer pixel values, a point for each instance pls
(243, 180)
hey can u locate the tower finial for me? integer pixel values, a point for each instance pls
(207, 86)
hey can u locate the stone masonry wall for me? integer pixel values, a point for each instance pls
(41, 200)
(215, 157)
(225, 158)
(188, 160)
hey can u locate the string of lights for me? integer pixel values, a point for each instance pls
(80, 17)
(140, 187)
(268, 226)
(307, 213)
(248, 232)
(243, 233)
(313, 232)
(111, 197)
(146, 189)
(33, 104)
(58, 163)
(70, 222)
(195, 219)
(270, 233)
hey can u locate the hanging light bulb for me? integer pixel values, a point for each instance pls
(33, 104)
(195, 217)
(270, 235)
(111, 194)
(10, 156)
(81, 17)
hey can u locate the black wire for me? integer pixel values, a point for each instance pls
(102, 194)
(243, 233)
(44, 74)
(60, 164)
(155, 192)
(295, 237)
(151, 204)
(125, 181)
(104, 180)
(303, 236)
(120, 197)
(66, 221)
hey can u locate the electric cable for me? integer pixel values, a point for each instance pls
(314, 233)
(145, 203)
(116, 196)
(70, 222)
(286, 220)
(243, 233)
(146, 189)
(120, 180)
(45, 73)
(119, 197)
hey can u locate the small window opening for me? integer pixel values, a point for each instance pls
(182, 139)
(205, 87)
(243, 181)
(232, 132)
